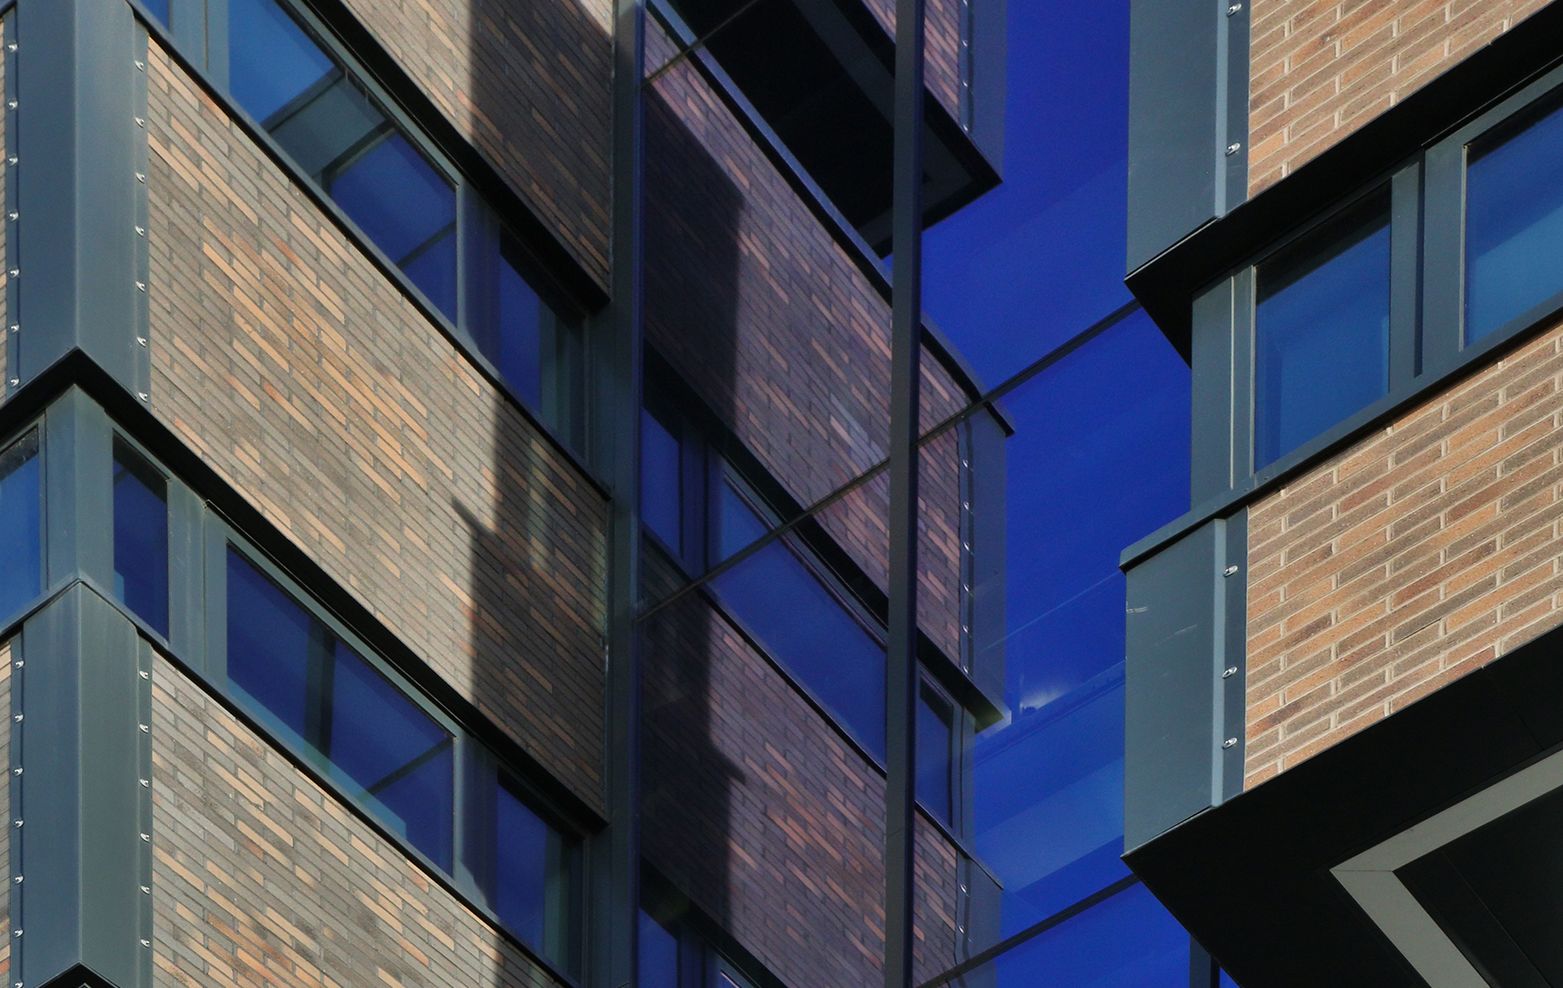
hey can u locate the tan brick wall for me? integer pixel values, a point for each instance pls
(941, 46)
(260, 877)
(1320, 69)
(765, 817)
(776, 329)
(528, 82)
(1423, 552)
(307, 380)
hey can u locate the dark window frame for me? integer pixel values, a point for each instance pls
(119, 438)
(37, 428)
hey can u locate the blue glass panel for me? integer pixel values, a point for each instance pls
(21, 525)
(1098, 460)
(661, 488)
(521, 867)
(803, 625)
(1514, 225)
(270, 643)
(158, 9)
(407, 209)
(376, 738)
(271, 61)
(1321, 332)
(512, 337)
(141, 537)
(934, 715)
(658, 955)
(1041, 257)
(1226, 981)
(1128, 941)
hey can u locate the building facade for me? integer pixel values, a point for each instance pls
(1341, 719)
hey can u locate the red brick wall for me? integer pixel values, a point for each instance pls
(528, 82)
(776, 329)
(1320, 69)
(1423, 552)
(941, 46)
(260, 877)
(305, 378)
(765, 817)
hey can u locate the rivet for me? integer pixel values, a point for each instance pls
(13, 216)
(1233, 148)
(17, 770)
(1230, 571)
(141, 286)
(146, 943)
(18, 663)
(16, 933)
(1229, 672)
(17, 824)
(11, 46)
(17, 718)
(15, 272)
(142, 672)
(143, 396)
(1229, 743)
(145, 783)
(17, 880)
(147, 838)
(1234, 8)
(16, 382)
(141, 122)
(11, 103)
(141, 231)
(11, 160)
(141, 176)
(144, 728)
(140, 65)
(142, 340)
(16, 327)
(146, 890)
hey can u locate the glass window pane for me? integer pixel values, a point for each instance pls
(407, 209)
(661, 487)
(658, 967)
(1321, 332)
(1513, 225)
(290, 671)
(271, 61)
(804, 626)
(935, 716)
(1226, 981)
(380, 740)
(21, 524)
(141, 536)
(270, 641)
(1128, 941)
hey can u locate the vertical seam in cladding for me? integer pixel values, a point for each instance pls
(144, 918)
(13, 341)
(142, 353)
(14, 817)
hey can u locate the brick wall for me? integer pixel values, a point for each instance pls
(941, 46)
(776, 329)
(1423, 552)
(260, 877)
(1320, 69)
(528, 82)
(296, 369)
(765, 817)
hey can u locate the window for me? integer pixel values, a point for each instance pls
(658, 962)
(527, 870)
(661, 487)
(140, 536)
(1321, 331)
(1513, 223)
(338, 134)
(298, 678)
(935, 751)
(21, 524)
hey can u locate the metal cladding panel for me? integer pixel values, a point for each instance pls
(1175, 121)
(1175, 634)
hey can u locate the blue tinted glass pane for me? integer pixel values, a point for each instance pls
(158, 9)
(376, 738)
(736, 524)
(933, 754)
(661, 492)
(658, 955)
(514, 342)
(1321, 333)
(407, 209)
(1226, 981)
(141, 537)
(21, 532)
(806, 628)
(1041, 257)
(271, 61)
(1098, 460)
(271, 644)
(1128, 941)
(1514, 226)
(521, 867)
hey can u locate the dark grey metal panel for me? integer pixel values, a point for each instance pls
(1172, 735)
(77, 484)
(186, 576)
(1232, 105)
(1231, 696)
(1210, 450)
(77, 186)
(1443, 250)
(1175, 123)
(1405, 232)
(987, 62)
(80, 793)
(990, 537)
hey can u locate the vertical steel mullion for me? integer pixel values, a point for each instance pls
(1405, 239)
(1244, 344)
(615, 853)
(1213, 413)
(905, 341)
(1443, 260)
